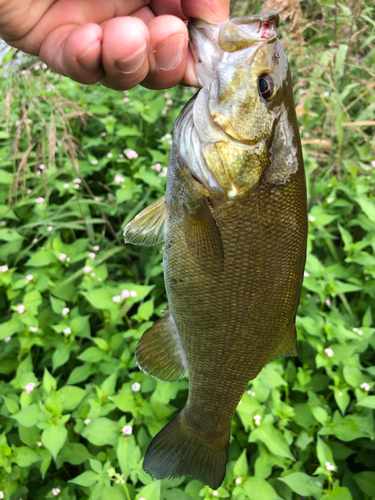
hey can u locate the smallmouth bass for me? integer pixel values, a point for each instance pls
(234, 222)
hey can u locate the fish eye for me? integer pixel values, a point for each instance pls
(267, 86)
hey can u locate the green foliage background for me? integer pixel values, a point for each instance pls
(74, 301)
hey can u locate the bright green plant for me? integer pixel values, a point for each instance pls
(76, 164)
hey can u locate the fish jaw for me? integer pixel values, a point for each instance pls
(228, 135)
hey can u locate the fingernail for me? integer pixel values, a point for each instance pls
(169, 54)
(86, 61)
(132, 63)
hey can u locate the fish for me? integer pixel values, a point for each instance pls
(234, 225)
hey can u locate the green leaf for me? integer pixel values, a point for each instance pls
(303, 484)
(272, 438)
(42, 258)
(80, 373)
(5, 177)
(30, 416)
(146, 310)
(109, 385)
(101, 431)
(338, 494)
(92, 355)
(366, 482)
(368, 402)
(32, 300)
(240, 467)
(124, 401)
(87, 478)
(324, 453)
(24, 456)
(109, 493)
(151, 491)
(71, 396)
(74, 453)
(49, 382)
(257, 488)
(128, 454)
(54, 437)
(11, 405)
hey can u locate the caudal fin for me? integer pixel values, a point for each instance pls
(177, 451)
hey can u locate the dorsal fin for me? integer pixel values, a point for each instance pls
(147, 228)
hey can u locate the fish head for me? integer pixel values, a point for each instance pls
(243, 117)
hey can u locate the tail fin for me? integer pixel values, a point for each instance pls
(177, 451)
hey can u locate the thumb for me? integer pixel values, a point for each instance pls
(211, 11)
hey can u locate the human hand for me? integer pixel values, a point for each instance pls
(118, 42)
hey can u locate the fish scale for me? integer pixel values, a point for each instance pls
(234, 222)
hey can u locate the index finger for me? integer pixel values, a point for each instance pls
(211, 11)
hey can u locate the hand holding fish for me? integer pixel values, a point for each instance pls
(119, 43)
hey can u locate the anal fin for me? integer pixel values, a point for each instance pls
(159, 352)
(147, 228)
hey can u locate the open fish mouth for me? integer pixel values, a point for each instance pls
(209, 139)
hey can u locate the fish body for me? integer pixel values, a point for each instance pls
(234, 222)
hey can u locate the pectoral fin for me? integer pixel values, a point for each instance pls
(147, 228)
(159, 352)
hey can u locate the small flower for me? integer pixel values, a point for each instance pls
(39, 201)
(87, 421)
(111, 472)
(65, 311)
(96, 248)
(257, 419)
(340, 394)
(365, 386)
(28, 191)
(306, 274)
(328, 302)
(156, 167)
(136, 387)
(118, 179)
(67, 331)
(308, 295)
(358, 331)
(66, 185)
(29, 387)
(29, 277)
(214, 493)
(251, 393)
(127, 430)
(49, 228)
(87, 269)
(373, 163)
(329, 466)
(77, 180)
(21, 309)
(40, 444)
(92, 255)
(3, 223)
(126, 99)
(238, 480)
(1, 494)
(164, 111)
(7, 339)
(33, 329)
(116, 299)
(166, 137)
(42, 166)
(311, 218)
(76, 186)
(120, 479)
(330, 200)
(94, 161)
(133, 293)
(169, 102)
(329, 352)
(99, 279)
(125, 294)
(166, 95)
(109, 155)
(56, 491)
(326, 94)
(164, 172)
(62, 256)
(130, 153)
(4, 269)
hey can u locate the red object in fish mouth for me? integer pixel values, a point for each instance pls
(265, 27)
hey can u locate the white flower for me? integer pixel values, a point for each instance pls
(29, 387)
(329, 352)
(133, 293)
(67, 331)
(166, 95)
(1, 494)
(127, 430)
(40, 444)
(92, 255)
(4, 269)
(77, 180)
(87, 269)
(104, 134)
(29, 277)
(39, 201)
(257, 419)
(326, 94)
(340, 394)
(169, 102)
(238, 480)
(118, 179)
(35, 240)
(76, 186)
(92, 275)
(214, 493)
(65, 311)
(49, 228)
(330, 200)
(87, 421)
(94, 161)
(136, 387)
(62, 256)
(126, 99)
(66, 185)
(109, 155)
(99, 279)
(373, 163)
(125, 294)
(56, 491)
(329, 466)
(42, 167)
(365, 386)
(7, 339)
(164, 172)
(358, 331)
(251, 393)
(33, 329)
(311, 218)
(116, 299)
(96, 248)
(21, 309)
(131, 154)
(328, 302)
(306, 274)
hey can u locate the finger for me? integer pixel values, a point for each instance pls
(167, 52)
(190, 77)
(164, 7)
(124, 52)
(211, 11)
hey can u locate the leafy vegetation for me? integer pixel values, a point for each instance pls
(76, 164)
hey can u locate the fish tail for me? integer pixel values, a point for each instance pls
(177, 450)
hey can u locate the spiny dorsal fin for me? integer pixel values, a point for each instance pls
(159, 352)
(147, 228)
